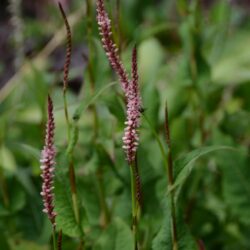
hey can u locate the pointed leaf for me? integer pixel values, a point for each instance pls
(185, 164)
(235, 184)
(65, 218)
(163, 240)
(117, 237)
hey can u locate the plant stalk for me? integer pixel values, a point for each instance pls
(4, 190)
(59, 240)
(90, 67)
(134, 204)
(171, 183)
(73, 192)
(66, 113)
(54, 238)
(101, 192)
(65, 87)
(99, 174)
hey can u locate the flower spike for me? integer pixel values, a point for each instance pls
(131, 137)
(109, 46)
(68, 50)
(130, 87)
(47, 166)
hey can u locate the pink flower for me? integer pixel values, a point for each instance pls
(109, 45)
(130, 87)
(131, 137)
(47, 167)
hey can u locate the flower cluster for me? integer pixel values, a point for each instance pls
(68, 51)
(131, 137)
(109, 46)
(130, 87)
(47, 166)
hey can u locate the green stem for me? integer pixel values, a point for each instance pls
(54, 238)
(81, 245)
(164, 155)
(59, 240)
(65, 86)
(134, 204)
(90, 64)
(101, 189)
(171, 183)
(4, 190)
(73, 192)
(101, 192)
(66, 113)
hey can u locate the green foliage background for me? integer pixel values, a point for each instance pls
(196, 58)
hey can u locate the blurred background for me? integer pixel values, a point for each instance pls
(194, 54)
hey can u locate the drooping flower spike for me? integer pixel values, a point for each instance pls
(48, 166)
(109, 46)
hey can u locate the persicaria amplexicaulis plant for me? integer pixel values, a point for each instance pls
(133, 103)
(88, 208)
(48, 166)
(130, 87)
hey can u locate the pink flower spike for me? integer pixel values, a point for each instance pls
(109, 46)
(47, 166)
(131, 137)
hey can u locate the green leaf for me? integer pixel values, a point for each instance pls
(117, 237)
(150, 56)
(16, 198)
(163, 240)
(151, 102)
(106, 160)
(25, 178)
(89, 199)
(24, 245)
(235, 183)
(7, 161)
(185, 164)
(30, 150)
(4, 243)
(86, 103)
(65, 218)
(233, 65)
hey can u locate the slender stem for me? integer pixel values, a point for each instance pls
(101, 192)
(65, 86)
(66, 114)
(59, 240)
(195, 6)
(138, 187)
(90, 64)
(90, 44)
(134, 204)
(4, 190)
(171, 183)
(73, 191)
(3, 184)
(101, 189)
(54, 238)
(81, 245)
(164, 155)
